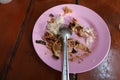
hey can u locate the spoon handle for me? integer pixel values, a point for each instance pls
(65, 68)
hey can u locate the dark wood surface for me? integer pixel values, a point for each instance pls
(18, 59)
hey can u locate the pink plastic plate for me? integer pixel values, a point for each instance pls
(86, 17)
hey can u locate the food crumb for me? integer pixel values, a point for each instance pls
(41, 42)
(79, 61)
(67, 10)
(51, 15)
(45, 53)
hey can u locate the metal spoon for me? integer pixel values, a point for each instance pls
(65, 33)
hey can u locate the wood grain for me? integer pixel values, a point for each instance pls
(17, 20)
(26, 65)
(11, 18)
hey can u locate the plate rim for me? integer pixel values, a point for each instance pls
(107, 29)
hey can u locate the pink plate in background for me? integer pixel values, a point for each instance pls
(86, 17)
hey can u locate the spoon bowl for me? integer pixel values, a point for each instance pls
(65, 32)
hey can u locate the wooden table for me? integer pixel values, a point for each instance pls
(18, 59)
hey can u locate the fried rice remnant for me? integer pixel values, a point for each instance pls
(79, 58)
(82, 31)
(77, 28)
(74, 46)
(56, 48)
(54, 43)
(67, 10)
